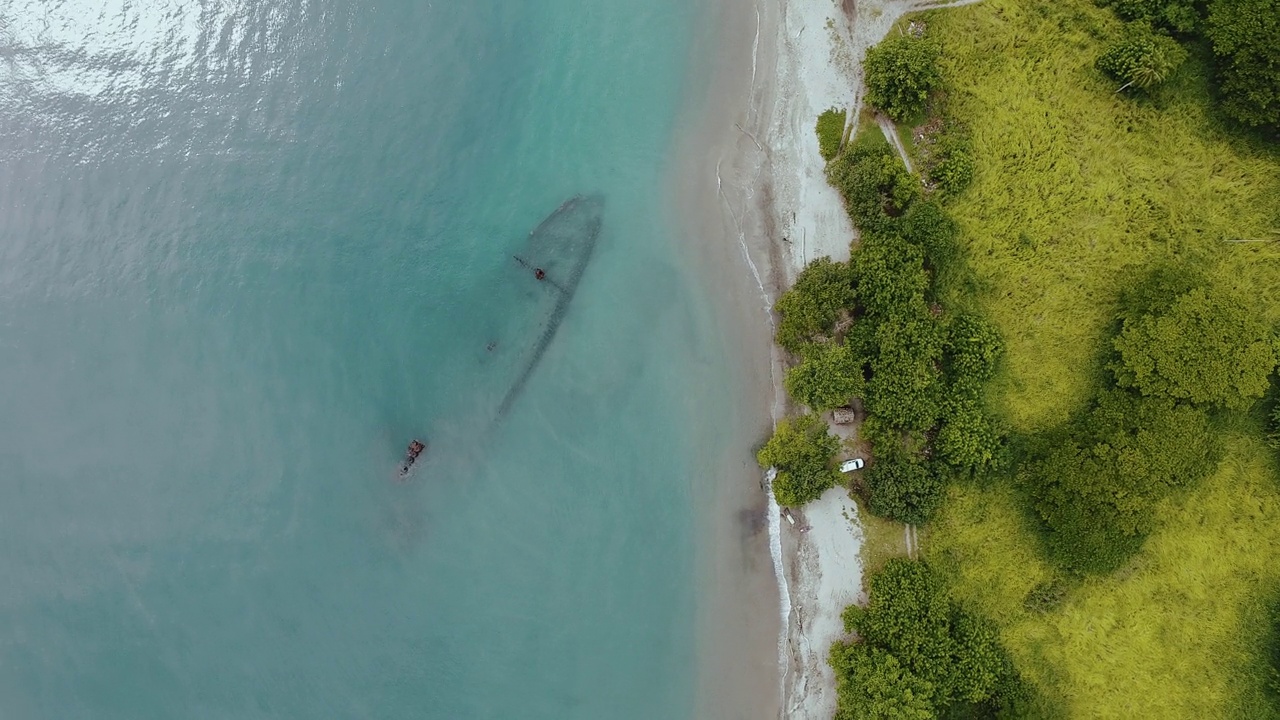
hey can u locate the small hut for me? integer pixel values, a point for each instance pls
(844, 416)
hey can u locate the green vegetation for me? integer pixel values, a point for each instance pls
(875, 185)
(901, 72)
(801, 449)
(1246, 40)
(810, 309)
(829, 376)
(1097, 484)
(902, 484)
(830, 131)
(920, 655)
(1142, 59)
(1205, 346)
(1077, 193)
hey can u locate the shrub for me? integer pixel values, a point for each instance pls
(875, 185)
(891, 276)
(1141, 59)
(905, 388)
(973, 348)
(942, 657)
(968, 438)
(1246, 42)
(1097, 487)
(952, 166)
(813, 304)
(828, 377)
(1180, 16)
(901, 484)
(830, 130)
(801, 449)
(901, 72)
(1206, 347)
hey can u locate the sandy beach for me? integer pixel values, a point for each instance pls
(754, 194)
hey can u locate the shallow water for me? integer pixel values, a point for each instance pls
(247, 251)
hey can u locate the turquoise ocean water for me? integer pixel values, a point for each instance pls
(247, 251)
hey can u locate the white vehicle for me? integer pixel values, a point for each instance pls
(851, 465)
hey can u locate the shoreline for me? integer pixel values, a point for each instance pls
(751, 189)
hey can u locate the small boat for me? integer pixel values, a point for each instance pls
(416, 448)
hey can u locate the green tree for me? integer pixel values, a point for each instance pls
(828, 377)
(801, 449)
(872, 685)
(875, 185)
(1206, 347)
(809, 309)
(968, 438)
(891, 276)
(901, 71)
(973, 348)
(901, 484)
(1246, 42)
(905, 388)
(1097, 487)
(1142, 58)
(1180, 16)
(830, 130)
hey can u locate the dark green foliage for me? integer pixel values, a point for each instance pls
(872, 685)
(901, 483)
(1206, 347)
(905, 388)
(875, 185)
(1046, 597)
(948, 658)
(927, 225)
(968, 438)
(1141, 59)
(1246, 40)
(801, 449)
(891, 276)
(973, 349)
(1180, 16)
(1097, 486)
(830, 131)
(901, 72)
(829, 376)
(809, 310)
(951, 169)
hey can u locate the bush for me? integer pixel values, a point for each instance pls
(830, 131)
(875, 185)
(968, 438)
(901, 484)
(952, 166)
(891, 276)
(920, 649)
(801, 449)
(1141, 59)
(905, 388)
(1180, 16)
(1206, 347)
(811, 307)
(1097, 488)
(829, 376)
(973, 348)
(1246, 42)
(901, 72)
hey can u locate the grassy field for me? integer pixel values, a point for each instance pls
(1077, 190)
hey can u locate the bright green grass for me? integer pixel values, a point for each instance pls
(1078, 190)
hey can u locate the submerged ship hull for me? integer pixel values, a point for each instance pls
(551, 263)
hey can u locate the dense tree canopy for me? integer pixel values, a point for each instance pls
(829, 376)
(809, 310)
(1206, 347)
(1246, 40)
(1097, 486)
(945, 660)
(905, 388)
(901, 72)
(801, 449)
(891, 276)
(875, 185)
(1180, 16)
